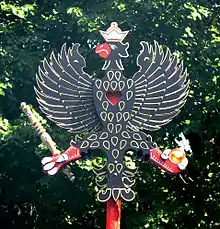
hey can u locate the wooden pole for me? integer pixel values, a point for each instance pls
(113, 214)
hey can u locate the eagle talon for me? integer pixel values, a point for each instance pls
(165, 154)
(46, 160)
(51, 165)
(172, 161)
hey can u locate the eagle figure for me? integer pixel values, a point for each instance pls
(114, 111)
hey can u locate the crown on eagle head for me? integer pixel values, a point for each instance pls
(114, 33)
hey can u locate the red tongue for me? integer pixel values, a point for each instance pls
(113, 97)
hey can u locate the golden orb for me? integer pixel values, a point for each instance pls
(177, 155)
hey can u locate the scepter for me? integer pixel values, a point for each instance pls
(47, 140)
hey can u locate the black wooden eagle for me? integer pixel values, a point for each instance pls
(114, 110)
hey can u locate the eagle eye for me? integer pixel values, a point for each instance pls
(113, 47)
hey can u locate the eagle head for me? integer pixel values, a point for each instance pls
(112, 50)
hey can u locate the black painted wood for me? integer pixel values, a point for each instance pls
(113, 110)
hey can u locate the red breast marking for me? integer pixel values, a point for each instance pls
(113, 96)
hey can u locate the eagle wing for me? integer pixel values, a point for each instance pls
(65, 92)
(161, 88)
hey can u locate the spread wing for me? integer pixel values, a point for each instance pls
(161, 88)
(65, 91)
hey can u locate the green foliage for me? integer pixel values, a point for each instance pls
(29, 31)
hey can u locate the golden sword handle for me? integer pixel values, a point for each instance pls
(44, 136)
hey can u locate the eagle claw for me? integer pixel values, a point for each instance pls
(172, 161)
(51, 165)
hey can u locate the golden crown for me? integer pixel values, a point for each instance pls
(114, 33)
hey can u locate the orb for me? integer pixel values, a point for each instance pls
(177, 155)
